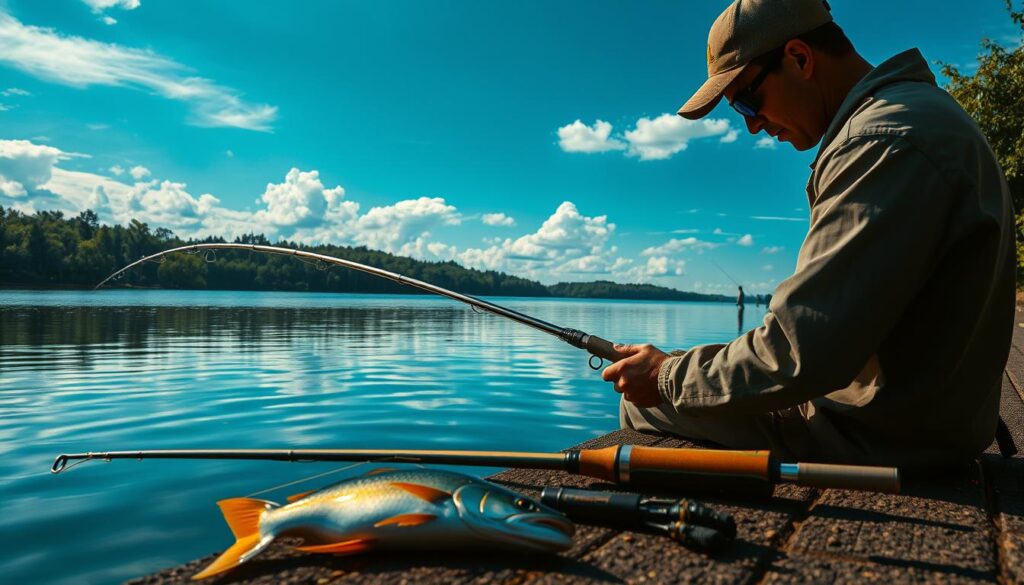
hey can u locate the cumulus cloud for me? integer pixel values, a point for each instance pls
(772, 249)
(668, 134)
(567, 241)
(139, 172)
(766, 142)
(677, 245)
(117, 170)
(498, 219)
(169, 204)
(109, 20)
(746, 240)
(25, 165)
(302, 201)
(394, 228)
(578, 137)
(101, 5)
(730, 136)
(80, 62)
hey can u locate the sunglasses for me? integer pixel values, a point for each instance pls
(746, 101)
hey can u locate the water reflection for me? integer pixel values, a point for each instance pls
(159, 369)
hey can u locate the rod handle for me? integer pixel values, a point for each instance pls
(850, 477)
(602, 348)
(698, 537)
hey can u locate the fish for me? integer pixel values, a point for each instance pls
(415, 509)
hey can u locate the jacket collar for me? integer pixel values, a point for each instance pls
(906, 66)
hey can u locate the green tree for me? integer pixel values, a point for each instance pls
(994, 97)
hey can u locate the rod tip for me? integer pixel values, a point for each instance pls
(59, 464)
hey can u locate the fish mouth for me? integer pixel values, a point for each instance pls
(553, 530)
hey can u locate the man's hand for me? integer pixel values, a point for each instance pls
(636, 376)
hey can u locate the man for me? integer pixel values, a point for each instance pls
(860, 358)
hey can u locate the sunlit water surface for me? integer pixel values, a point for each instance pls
(130, 370)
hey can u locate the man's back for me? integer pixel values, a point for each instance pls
(939, 366)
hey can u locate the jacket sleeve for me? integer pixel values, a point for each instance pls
(876, 234)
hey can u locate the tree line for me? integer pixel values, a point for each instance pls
(47, 249)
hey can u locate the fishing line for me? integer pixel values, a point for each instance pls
(724, 272)
(304, 479)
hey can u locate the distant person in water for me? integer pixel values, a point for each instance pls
(910, 214)
(740, 298)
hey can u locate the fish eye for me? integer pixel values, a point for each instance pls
(524, 504)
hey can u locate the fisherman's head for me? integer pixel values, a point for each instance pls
(781, 64)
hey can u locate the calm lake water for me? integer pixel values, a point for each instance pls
(130, 370)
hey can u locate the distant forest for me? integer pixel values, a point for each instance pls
(47, 249)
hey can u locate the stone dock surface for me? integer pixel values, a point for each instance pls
(964, 527)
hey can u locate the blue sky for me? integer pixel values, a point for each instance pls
(530, 137)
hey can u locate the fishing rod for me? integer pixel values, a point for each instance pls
(599, 348)
(725, 273)
(746, 471)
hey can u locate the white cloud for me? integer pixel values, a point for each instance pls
(578, 137)
(394, 227)
(766, 142)
(25, 165)
(498, 219)
(676, 245)
(109, 20)
(301, 201)
(169, 204)
(14, 91)
(730, 136)
(80, 62)
(746, 240)
(656, 267)
(668, 134)
(566, 242)
(101, 5)
(772, 249)
(139, 172)
(777, 218)
(117, 170)
(686, 231)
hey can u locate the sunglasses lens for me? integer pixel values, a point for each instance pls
(743, 108)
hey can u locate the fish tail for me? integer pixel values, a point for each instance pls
(243, 518)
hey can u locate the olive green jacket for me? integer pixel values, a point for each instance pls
(887, 345)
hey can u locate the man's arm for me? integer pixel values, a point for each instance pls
(875, 238)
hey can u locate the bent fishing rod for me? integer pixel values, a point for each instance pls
(599, 348)
(744, 471)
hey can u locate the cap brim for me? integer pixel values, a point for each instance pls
(709, 94)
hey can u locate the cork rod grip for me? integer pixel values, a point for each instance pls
(602, 348)
(850, 477)
(700, 461)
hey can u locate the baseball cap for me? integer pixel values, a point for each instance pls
(746, 30)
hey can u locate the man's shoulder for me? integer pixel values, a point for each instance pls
(917, 112)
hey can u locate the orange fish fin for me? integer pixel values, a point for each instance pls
(407, 520)
(232, 557)
(424, 492)
(243, 518)
(243, 514)
(299, 496)
(379, 470)
(344, 547)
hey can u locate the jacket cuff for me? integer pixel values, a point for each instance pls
(665, 378)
